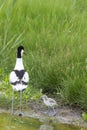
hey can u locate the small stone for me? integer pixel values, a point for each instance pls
(20, 114)
(46, 127)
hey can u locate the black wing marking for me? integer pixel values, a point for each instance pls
(20, 73)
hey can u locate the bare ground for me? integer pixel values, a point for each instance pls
(63, 114)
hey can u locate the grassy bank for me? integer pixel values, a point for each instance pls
(54, 34)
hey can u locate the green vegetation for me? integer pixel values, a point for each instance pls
(54, 34)
(84, 115)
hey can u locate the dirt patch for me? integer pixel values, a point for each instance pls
(63, 114)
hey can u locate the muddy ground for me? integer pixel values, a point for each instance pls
(63, 114)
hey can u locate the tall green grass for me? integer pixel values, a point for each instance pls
(54, 34)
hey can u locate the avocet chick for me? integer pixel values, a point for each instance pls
(49, 102)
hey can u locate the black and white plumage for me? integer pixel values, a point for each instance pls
(49, 102)
(19, 77)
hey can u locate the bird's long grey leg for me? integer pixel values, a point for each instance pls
(13, 102)
(48, 109)
(20, 114)
(53, 110)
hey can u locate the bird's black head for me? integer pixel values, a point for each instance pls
(20, 51)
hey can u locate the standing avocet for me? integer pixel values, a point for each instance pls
(49, 102)
(19, 78)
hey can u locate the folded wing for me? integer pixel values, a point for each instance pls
(17, 83)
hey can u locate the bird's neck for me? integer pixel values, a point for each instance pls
(45, 99)
(19, 64)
